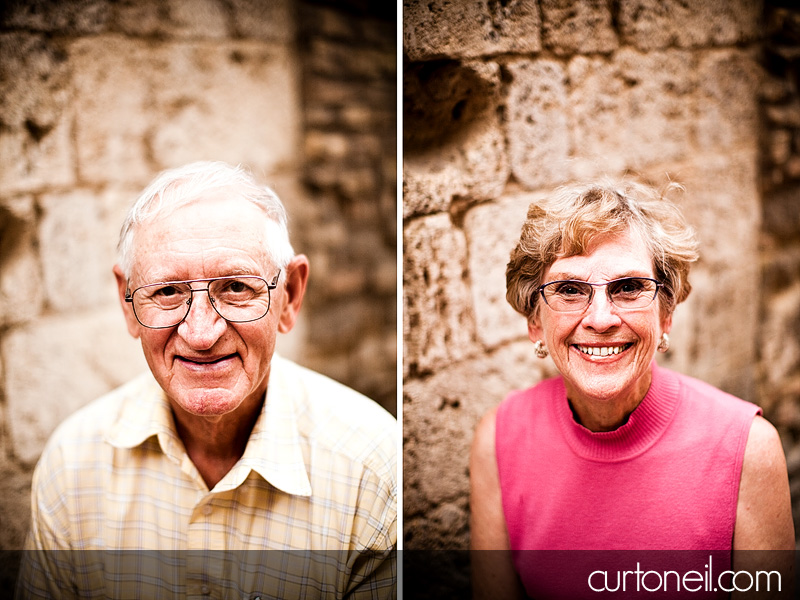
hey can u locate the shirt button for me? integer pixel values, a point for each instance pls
(205, 589)
(207, 509)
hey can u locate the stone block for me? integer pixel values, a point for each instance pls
(15, 512)
(650, 24)
(538, 130)
(21, 290)
(197, 18)
(721, 196)
(78, 235)
(176, 106)
(113, 108)
(142, 18)
(630, 111)
(62, 16)
(782, 214)
(195, 123)
(577, 26)
(780, 336)
(469, 30)
(56, 365)
(492, 231)
(454, 146)
(440, 414)
(34, 110)
(271, 20)
(438, 322)
(727, 101)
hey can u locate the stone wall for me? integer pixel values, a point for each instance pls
(503, 102)
(96, 97)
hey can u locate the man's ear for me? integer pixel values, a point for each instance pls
(294, 290)
(127, 308)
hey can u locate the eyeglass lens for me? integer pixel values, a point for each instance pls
(628, 292)
(236, 299)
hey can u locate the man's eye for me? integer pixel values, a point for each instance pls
(166, 291)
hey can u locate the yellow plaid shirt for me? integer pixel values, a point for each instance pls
(310, 510)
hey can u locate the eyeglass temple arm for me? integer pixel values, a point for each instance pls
(274, 282)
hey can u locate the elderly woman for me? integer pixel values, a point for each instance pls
(616, 453)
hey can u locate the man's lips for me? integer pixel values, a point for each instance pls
(205, 362)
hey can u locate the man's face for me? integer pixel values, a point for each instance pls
(206, 365)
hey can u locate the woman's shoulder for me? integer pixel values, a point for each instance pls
(702, 395)
(538, 390)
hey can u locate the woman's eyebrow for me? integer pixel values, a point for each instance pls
(574, 277)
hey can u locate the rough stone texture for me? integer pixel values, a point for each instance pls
(702, 93)
(446, 407)
(490, 245)
(34, 113)
(728, 81)
(78, 231)
(101, 357)
(349, 149)
(452, 139)
(21, 290)
(97, 96)
(570, 27)
(438, 324)
(651, 24)
(538, 124)
(630, 110)
(779, 337)
(155, 124)
(468, 29)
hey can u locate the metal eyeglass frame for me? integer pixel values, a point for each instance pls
(270, 286)
(540, 289)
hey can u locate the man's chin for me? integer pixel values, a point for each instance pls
(208, 402)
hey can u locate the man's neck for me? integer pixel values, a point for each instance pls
(215, 444)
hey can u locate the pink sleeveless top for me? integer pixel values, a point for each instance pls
(668, 479)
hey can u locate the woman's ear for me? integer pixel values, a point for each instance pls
(294, 290)
(666, 323)
(535, 331)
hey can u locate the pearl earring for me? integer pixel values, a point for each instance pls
(663, 344)
(539, 349)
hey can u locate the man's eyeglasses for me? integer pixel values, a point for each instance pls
(237, 299)
(572, 295)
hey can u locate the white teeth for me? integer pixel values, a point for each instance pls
(603, 351)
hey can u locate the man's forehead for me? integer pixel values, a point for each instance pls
(215, 232)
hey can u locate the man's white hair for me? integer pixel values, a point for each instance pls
(175, 188)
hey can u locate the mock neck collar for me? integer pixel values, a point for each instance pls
(644, 426)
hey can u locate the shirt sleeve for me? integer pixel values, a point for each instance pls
(374, 570)
(45, 568)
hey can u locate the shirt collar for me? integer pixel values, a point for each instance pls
(274, 450)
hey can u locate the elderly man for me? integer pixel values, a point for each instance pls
(226, 471)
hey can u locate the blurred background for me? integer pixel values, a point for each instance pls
(503, 101)
(98, 96)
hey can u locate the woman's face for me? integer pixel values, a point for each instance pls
(604, 386)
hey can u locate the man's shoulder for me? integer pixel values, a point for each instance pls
(91, 424)
(336, 417)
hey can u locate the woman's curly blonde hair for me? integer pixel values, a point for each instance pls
(574, 217)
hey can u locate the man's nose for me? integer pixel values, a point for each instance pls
(601, 314)
(203, 325)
